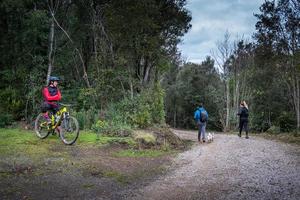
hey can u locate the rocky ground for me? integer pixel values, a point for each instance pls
(229, 168)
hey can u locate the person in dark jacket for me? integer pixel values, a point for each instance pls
(51, 95)
(201, 117)
(243, 114)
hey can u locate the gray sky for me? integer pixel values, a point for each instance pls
(211, 19)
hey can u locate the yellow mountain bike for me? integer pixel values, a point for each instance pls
(67, 126)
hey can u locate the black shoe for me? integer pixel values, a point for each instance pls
(247, 137)
(239, 135)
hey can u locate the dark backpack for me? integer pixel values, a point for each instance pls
(203, 116)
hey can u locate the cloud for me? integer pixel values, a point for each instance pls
(211, 19)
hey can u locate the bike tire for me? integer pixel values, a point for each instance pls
(42, 131)
(69, 126)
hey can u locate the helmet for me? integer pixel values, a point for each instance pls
(54, 78)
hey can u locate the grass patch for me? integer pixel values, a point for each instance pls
(121, 178)
(23, 147)
(290, 138)
(16, 139)
(141, 153)
(92, 138)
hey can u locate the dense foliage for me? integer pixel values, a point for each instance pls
(120, 67)
(110, 55)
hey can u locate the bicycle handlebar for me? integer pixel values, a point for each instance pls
(67, 105)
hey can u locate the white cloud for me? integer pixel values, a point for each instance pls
(211, 19)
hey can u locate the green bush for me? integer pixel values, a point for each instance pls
(86, 118)
(142, 117)
(158, 107)
(141, 111)
(11, 102)
(273, 130)
(5, 119)
(287, 122)
(111, 128)
(144, 110)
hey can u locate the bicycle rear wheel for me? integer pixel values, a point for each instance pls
(69, 130)
(41, 127)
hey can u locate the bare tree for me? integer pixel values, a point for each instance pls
(243, 59)
(85, 75)
(221, 56)
(52, 8)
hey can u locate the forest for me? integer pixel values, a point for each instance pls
(120, 66)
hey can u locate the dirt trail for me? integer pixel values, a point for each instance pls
(228, 168)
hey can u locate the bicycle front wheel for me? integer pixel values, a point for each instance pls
(69, 130)
(41, 127)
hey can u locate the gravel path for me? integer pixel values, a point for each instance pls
(228, 168)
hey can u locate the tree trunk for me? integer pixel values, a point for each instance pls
(237, 99)
(297, 101)
(51, 40)
(146, 73)
(227, 106)
(174, 116)
(85, 75)
(131, 89)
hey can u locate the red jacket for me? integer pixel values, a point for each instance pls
(51, 94)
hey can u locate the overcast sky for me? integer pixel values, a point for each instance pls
(211, 19)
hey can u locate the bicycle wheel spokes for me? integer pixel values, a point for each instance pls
(69, 130)
(41, 127)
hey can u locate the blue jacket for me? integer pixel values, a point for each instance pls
(197, 113)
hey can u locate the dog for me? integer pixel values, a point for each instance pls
(210, 137)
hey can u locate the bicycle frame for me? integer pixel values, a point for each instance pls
(61, 114)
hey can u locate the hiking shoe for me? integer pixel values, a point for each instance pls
(239, 135)
(247, 137)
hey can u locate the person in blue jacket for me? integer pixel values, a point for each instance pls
(201, 117)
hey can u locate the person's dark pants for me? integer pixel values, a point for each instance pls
(243, 124)
(52, 107)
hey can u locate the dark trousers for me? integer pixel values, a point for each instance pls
(244, 124)
(52, 107)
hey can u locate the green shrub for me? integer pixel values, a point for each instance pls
(86, 118)
(86, 98)
(142, 117)
(5, 119)
(111, 128)
(287, 122)
(157, 105)
(11, 103)
(141, 111)
(273, 130)
(144, 110)
(80, 116)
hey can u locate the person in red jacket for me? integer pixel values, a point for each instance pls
(51, 96)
